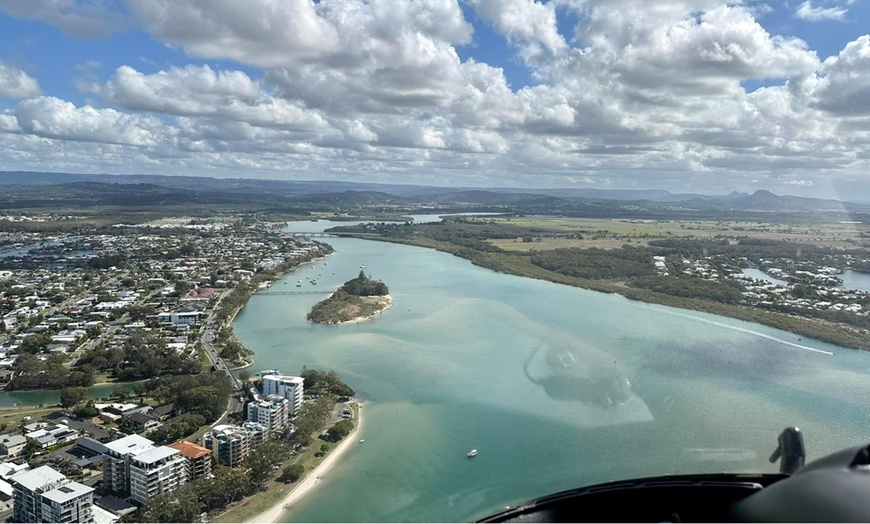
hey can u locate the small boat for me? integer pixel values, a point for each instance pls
(362, 265)
(298, 285)
(313, 282)
(472, 453)
(362, 440)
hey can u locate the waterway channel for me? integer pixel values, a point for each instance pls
(556, 386)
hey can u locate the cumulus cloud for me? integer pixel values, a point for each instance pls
(845, 85)
(15, 83)
(806, 11)
(639, 93)
(86, 18)
(50, 117)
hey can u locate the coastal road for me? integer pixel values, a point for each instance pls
(209, 334)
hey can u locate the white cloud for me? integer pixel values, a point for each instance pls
(15, 83)
(85, 18)
(806, 11)
(640, 93)
(51, 117)
(844, 88)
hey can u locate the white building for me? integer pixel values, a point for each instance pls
(52, 435)
(12, 445)
(116, 463)
(272, 412)
(287, 387)
(45, 495)
(156, 471)
(134, 465)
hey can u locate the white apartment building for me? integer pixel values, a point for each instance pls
(156, 471)
(272, 412)
(287, 387)
(134, 465)
(45, 495)
(116, 461)
(230, 444)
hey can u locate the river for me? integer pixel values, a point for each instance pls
(524, 370)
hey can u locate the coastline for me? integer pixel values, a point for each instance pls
(376, 314)
(312, 479)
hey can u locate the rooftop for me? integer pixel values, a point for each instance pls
(67, 492)
(190, 450)
(156, 454)
(39, 478)
(130, 445)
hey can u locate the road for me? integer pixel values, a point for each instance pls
(208, 337)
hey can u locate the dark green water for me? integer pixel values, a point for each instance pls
(533, 375)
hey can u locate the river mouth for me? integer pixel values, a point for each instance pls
(621, 389)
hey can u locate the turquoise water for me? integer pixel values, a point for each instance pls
(533, 374)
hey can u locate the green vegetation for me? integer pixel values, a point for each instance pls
(359, 298)
(69, 397)
(325, 383)
(51, 373)
(143, 355)
(204, 394)
(177, 430)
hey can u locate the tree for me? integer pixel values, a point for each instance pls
(244, 376)
(340, 430)
(69, 397)
(324, 448)
(292, 473)
(119, 392)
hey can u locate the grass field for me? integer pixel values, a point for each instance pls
(12, 416)
(558, 232)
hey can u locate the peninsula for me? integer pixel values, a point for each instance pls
(358, 299)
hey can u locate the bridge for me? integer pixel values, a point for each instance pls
(318, 292)
(310, 234)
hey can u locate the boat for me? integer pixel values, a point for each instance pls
(472, 453)
(298, 285)
(362, 440)
(362, 265)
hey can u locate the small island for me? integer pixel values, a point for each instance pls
(359, 299)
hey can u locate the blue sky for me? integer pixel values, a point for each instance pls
(700, 95)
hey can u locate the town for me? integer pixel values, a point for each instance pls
(144, 312)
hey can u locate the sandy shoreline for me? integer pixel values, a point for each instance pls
(312, 480)
(357, 320)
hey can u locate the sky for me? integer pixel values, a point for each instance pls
(704, 96)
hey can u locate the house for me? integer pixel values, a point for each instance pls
(12, 445)
(52, 435)
(163, 412)
(142, 421)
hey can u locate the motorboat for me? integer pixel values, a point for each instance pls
(472, 453)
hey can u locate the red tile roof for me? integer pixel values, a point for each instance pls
(190, 450)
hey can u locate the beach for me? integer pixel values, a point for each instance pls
(312, 480)
(376, 314)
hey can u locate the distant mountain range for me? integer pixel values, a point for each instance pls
(101, 188)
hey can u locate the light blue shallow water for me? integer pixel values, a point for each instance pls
(523, 369)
